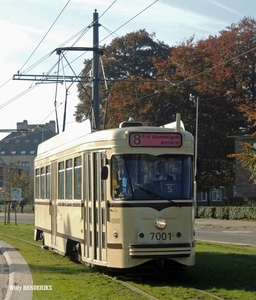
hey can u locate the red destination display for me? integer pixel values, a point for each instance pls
(155, 139)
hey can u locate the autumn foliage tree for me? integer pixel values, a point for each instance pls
(26, 184)
(127, 61)
(248, 156)
(151, 81)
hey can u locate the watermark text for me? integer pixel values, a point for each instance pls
(30, 287)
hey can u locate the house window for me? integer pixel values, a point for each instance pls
(202, 196)
(218, 194)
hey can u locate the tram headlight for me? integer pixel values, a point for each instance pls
(160, 223)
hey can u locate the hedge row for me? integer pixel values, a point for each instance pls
(215, 212)
(227, 212)
(28, 208)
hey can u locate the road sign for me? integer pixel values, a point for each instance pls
(15, 194)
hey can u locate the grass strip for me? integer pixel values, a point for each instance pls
(227, 271)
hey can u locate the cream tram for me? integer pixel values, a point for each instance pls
(100, 198)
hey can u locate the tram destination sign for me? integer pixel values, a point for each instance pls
(155, 139)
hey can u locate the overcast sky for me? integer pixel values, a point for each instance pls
(32, 29)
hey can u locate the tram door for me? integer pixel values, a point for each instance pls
(95, 207)
(53, 206)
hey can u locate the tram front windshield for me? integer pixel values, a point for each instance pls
(147, 177)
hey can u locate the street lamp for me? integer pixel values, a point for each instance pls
(195, 100)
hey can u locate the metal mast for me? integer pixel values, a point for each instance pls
(74, 78)
(95, 71)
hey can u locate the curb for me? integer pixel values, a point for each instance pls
(19, 274)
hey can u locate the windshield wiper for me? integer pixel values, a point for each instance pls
(154, 194)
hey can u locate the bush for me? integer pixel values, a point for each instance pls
(227, 212)
(28, 208)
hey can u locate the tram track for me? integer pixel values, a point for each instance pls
(125, 283)
(22, 240)
(150, 297)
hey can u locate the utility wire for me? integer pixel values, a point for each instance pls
(107, 9)
(130, 20)
(45, 35)
(110, 32)
(83, 31)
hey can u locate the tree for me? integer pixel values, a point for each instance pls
(248, 156)
(26, 184)
(10, 171)
(151, 82)
(130, 59)
(14, 179)
(218, 65)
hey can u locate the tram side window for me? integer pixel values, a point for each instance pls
(37, 189)
(48, 181)
(78, 177)
(42, 183)
(61, 180)
(69, 179)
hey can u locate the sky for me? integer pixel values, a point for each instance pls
(31, 30)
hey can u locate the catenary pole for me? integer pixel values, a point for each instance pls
(95, 71)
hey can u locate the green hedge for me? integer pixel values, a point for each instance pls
(215, 212)
(28, 208)
(227, 212)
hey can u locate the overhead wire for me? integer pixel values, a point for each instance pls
(87, 29)
(80, 34)
(26, 91)
(110, 32)
(181, 81)
(130, 19)
(45, 35)
(83, 31)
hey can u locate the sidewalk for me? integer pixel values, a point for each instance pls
(227, 224)
(19, 275)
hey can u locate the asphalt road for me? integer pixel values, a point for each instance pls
(20, 218)
(226, 231)
(229, 236)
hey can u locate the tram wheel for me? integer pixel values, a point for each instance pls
(43, 242)
(78, 256)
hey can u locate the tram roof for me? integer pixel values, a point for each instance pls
(81, 133)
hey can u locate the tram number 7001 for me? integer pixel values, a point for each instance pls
(160, 236)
